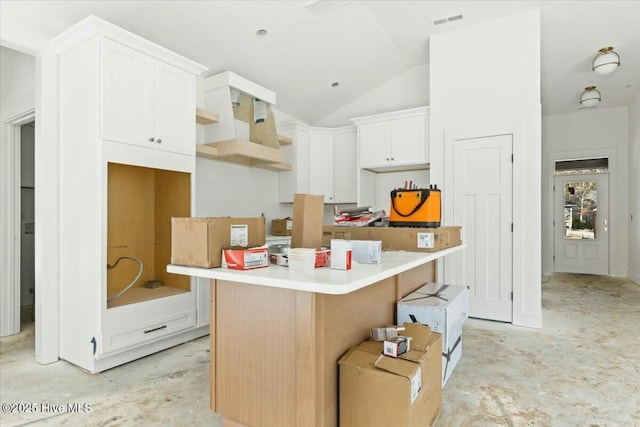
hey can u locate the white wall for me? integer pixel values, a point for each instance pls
(407, 90)
(634, 189)
(227, 189)
(17, 82)
(489, 75)
(17, 95)
(585, 134)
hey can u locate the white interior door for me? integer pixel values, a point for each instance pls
(581, 221)
(482, 204)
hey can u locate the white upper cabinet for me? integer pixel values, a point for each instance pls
(345, 171)
(145, 101)
(297, 154)
(324, 162)
(321, 165)
(394, 141)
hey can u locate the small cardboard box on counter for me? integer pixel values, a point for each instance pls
(378, 390)
(281, 227)
(245, 258)
(398, 238)
(444, 308)
(308, 211)
(198, 242)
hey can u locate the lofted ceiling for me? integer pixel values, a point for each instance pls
(378, 51)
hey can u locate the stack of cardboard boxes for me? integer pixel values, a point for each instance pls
(444, 309)
(403, 391)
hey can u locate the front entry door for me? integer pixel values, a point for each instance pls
(482, 204)
(581, 221)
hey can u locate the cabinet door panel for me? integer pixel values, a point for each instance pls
(174, 109)
(345, 168)
(373, 141)
(321, 166)
(408, 144)
(127, 95)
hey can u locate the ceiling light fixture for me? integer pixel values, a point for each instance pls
(606, 61)
(590, 97)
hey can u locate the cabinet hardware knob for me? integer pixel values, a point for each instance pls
(151, 139)
(387, 159)
(159, 141)
(392, 159)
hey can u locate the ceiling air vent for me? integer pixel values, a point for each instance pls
(447, 20)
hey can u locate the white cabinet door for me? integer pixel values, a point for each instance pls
(345, 169)
(321, 166)
(127, 95)
(407, 140)
(146, 102)
(374, 144)
(297, 154)
(174, 98)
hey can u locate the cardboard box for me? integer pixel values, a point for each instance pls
(281, 227)
(444, 308)
(366, 251)
(396, 346)
(377, 390)
(323, 258)
(198, 242)
(398, 238)
(245, 259)
(341, 254)
(279, 259)
(308, 212)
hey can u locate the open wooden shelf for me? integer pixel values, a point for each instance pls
(284, 140)
(244, 152)
(206, 118)
(206, 151)
(141, 294)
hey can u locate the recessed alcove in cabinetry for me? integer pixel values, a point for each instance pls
(140, 204)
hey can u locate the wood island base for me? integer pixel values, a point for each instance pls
(274, 351)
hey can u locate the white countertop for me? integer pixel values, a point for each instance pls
(322, 280)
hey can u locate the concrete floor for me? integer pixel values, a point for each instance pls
(581, 369)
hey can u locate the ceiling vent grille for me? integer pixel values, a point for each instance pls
(447, 20)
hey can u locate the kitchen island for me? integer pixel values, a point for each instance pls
(276, 335)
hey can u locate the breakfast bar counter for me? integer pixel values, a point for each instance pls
(276, 335)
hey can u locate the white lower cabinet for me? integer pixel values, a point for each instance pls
(151, 329)
(117, 198)
(324, 162)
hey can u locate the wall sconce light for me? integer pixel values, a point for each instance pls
(590, 97)
(606, 61)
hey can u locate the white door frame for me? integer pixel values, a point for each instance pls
(614, 218)
(47, 238)
(10, 250)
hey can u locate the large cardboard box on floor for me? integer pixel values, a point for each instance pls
(398, 238)
(378, 390)
(198, 242)
(444, 308)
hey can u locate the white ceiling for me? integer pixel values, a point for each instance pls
(363, 45)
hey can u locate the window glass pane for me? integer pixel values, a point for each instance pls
(568, 167)
(580, 209)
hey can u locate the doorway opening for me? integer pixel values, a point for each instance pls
(27, 223)
(581, 216)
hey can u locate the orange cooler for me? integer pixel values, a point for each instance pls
(415, 208)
